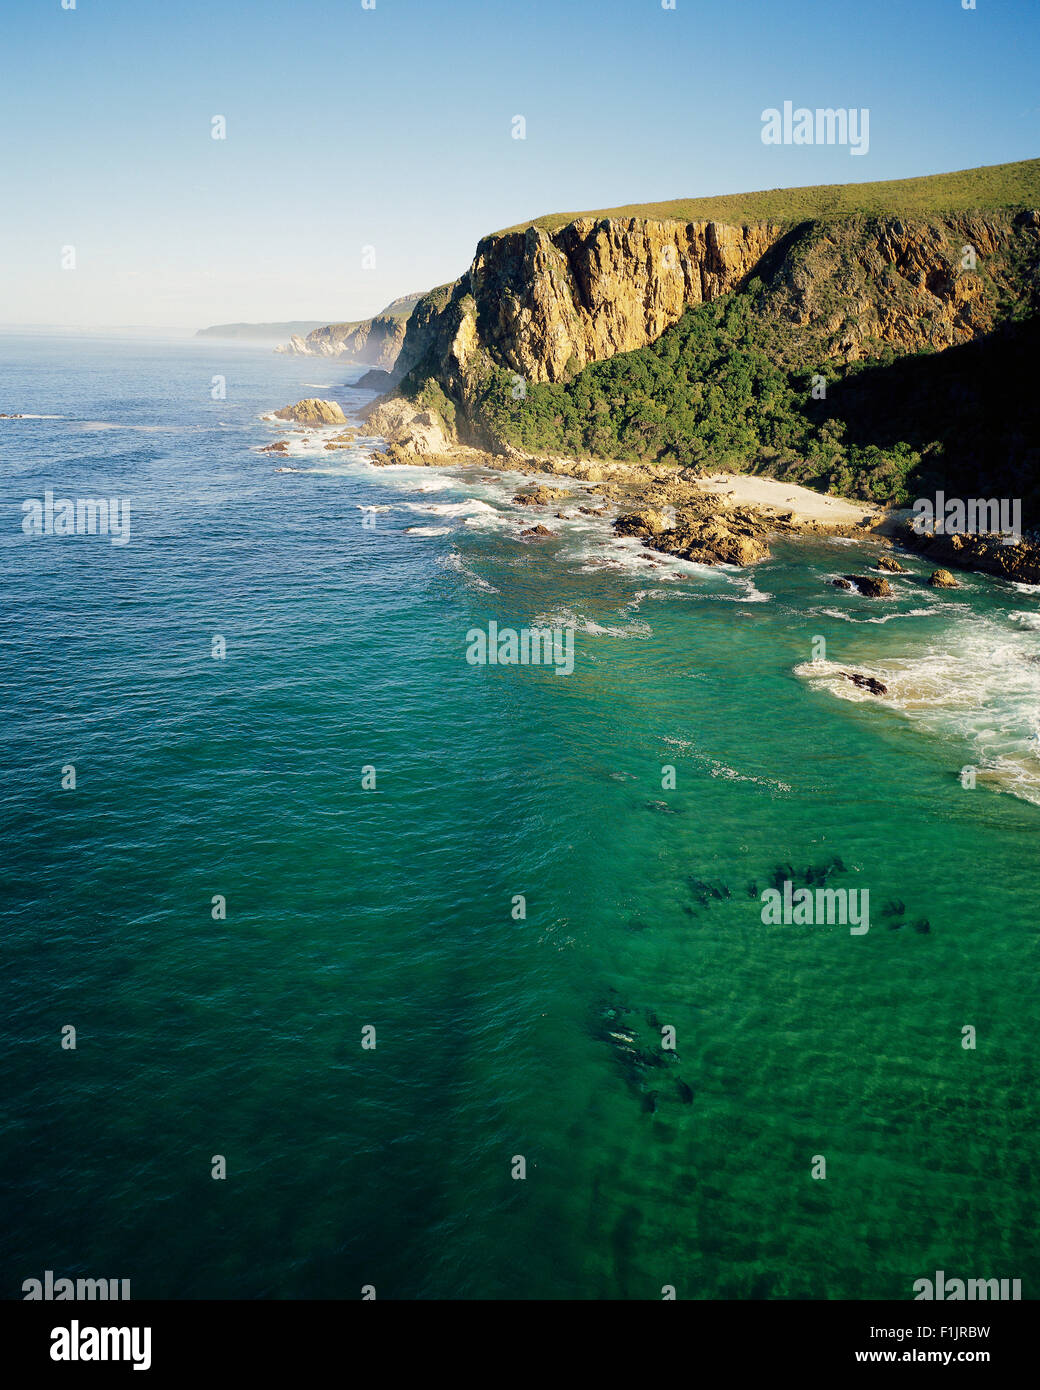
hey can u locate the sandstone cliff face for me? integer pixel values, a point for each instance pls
(862, 285)
(549, 304)
(543, 305)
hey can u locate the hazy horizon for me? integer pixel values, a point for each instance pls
(372, 168)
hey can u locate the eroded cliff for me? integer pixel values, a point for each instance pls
(544, 305)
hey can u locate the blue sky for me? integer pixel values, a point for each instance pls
(391, 128)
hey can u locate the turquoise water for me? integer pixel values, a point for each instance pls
(392, 907)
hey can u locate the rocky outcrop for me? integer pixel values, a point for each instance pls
(861, 285)
(943, 579)
(409, 429)
(547, 304)
(870, 683)
(987, 553)
(375, 342)
(346, 440)
(540, 496)
(313, 412)
(890, 565)
(701, 533)
(295, 347)
(868, 586)
(375, 380)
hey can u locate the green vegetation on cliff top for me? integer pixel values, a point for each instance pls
(992, 186)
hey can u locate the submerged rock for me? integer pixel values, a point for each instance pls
(704, 891)
(281, 446)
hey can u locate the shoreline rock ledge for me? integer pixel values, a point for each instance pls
(701, 532)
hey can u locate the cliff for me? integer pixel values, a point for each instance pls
(545, 304)
(375, 342)
(699, 341)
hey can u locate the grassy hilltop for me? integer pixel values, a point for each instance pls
(1006, 186)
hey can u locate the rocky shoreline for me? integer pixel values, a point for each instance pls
(672, 511)
(1019, 564)
(706, 518)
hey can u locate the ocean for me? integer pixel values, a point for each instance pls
(300, 813)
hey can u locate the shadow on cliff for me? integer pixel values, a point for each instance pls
(972, 412)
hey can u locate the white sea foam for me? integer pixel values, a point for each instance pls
(490, 520)
(715, 767)
(979, 685)
(454, 561)
(566, 617)
(746, 591)
(1028, 620)
(428, 530)
(95, 426)
(471, 507)
(879, 618)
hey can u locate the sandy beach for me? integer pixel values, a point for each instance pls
(749, 490)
